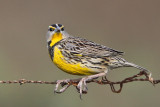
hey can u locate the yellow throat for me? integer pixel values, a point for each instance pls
(56, 38)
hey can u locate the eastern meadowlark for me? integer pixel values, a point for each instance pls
(80, 56)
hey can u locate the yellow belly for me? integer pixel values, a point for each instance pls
(75, 69)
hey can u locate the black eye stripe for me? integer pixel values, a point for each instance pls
(54, 25)
(51, 29)
(62, 29)
(60, 25)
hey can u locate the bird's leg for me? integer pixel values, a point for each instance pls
(82, 86)
(62, 83)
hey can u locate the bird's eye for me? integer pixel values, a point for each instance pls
(51, 29)
(62, 29)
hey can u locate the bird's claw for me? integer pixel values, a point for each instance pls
(82, 87)
(62, 83)
(151, 79)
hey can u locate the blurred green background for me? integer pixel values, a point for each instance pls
(132, 26)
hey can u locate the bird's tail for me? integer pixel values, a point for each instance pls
(129, 64)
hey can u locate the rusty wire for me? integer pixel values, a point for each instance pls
(102, 81)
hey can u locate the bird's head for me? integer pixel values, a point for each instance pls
(55, 33)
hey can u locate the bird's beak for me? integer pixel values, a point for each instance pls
(58, 29)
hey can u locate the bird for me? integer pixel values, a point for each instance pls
(79, 56)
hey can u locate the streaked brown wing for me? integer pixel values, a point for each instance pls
(76, 45)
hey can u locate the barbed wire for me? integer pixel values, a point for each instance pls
(103, 81)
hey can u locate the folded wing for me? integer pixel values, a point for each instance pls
(83, 47)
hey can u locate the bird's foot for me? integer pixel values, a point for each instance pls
(82, 86)
(62, 83)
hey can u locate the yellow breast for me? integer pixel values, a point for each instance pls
(76, 69)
